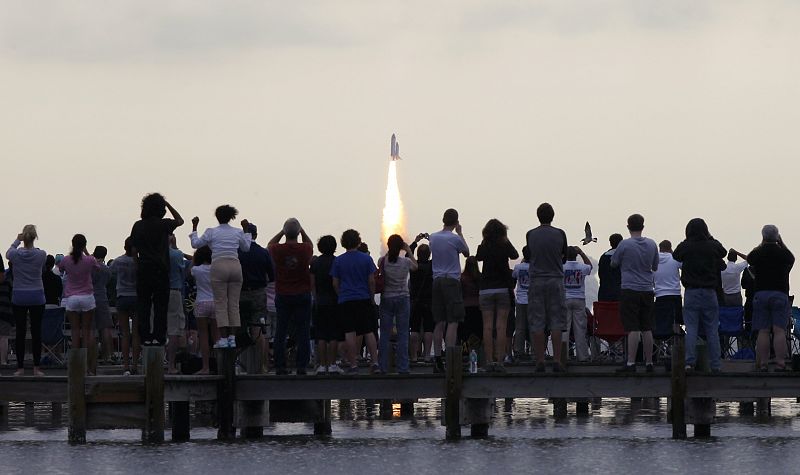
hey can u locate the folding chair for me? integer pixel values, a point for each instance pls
(608, 328)
(731, 329)
(53, 342)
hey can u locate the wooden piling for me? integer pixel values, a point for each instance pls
(559, 408)
(154, 420)
(582, 408)
(678, 383)
(55, 414)
(251, 417)
(322, 427)
(76, 397)
(763, 407)
(226, 393)
(180, 415)
(453, 387)
(29, 414)
(407, 409)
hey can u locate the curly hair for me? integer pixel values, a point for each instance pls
(154, 206)
(494, 231)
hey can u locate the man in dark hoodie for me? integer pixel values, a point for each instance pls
(700, 256)
(772, 262)
(610, 277)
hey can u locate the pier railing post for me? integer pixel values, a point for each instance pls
(678, 381)
(154, 419)
(453, 386)
(226, 393)
(76, 395)
(180, 416)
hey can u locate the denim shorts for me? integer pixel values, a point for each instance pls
(770, 308)
(126, 303)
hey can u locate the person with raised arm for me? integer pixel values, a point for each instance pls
(447, 301)
(225, 242)
(292, 260)
(395, 301)
(27, 295)
(150, 239)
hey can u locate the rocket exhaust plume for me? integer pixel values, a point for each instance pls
(394, 216)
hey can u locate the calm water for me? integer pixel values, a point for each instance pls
(616, 437)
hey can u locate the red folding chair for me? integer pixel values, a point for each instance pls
(608, 328)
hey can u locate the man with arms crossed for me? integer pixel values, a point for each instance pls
(637, 259)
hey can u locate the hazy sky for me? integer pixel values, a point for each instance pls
(674, 109)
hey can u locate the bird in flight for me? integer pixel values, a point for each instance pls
(586, 240)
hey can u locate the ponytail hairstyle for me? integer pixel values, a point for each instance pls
(395, 245)
(78, 246)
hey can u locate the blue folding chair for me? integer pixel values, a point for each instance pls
(731, 328)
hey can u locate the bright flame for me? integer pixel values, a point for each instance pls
(394, 216)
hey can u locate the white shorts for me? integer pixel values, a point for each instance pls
(79, 303)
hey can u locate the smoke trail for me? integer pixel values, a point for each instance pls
(394, 216)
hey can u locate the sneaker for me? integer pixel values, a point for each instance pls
(352, 370)
(688, 368)
(375, 369)
(231, 341)
(126, 373)
(540, 368)
(334, 369)
(321, 370)
(627, 368)
(508, 360)
(221, 343)
(649, 368)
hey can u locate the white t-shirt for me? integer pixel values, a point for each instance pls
(732, 277)
(445, 249)
(667, 277)
(202, 279)
(521, 273)
(575, 274)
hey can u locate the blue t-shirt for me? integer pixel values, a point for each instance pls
(353, 269)
(177, 268)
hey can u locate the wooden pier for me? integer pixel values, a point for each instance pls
(247, 403)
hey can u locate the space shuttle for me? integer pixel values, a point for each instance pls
(395, 149)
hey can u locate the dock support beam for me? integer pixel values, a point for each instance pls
(76, 395)
(453, 385)
(322, 428)
(226, 393)
(154, 420)
(179, 413)
(678, 381)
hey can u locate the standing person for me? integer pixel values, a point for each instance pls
(150, 239)
(447, 301)
(732, 279)
(327, 329)
(546, 295)
(471, 329)
(53, 286)
(225, 242)
(700, 256)
(667, 280)
(257, 271)
(495, 251)
(6, 313)
(124, 271)
(421, 289)
(637, 259)
(395, 302)
(176, 318)
(575, 274)
(772, 262)
(353, 276)
(204, 304)
(102, 312)
(610, 277)
(79, 293)
(292, 292)
(27, 295)
(521, 275)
